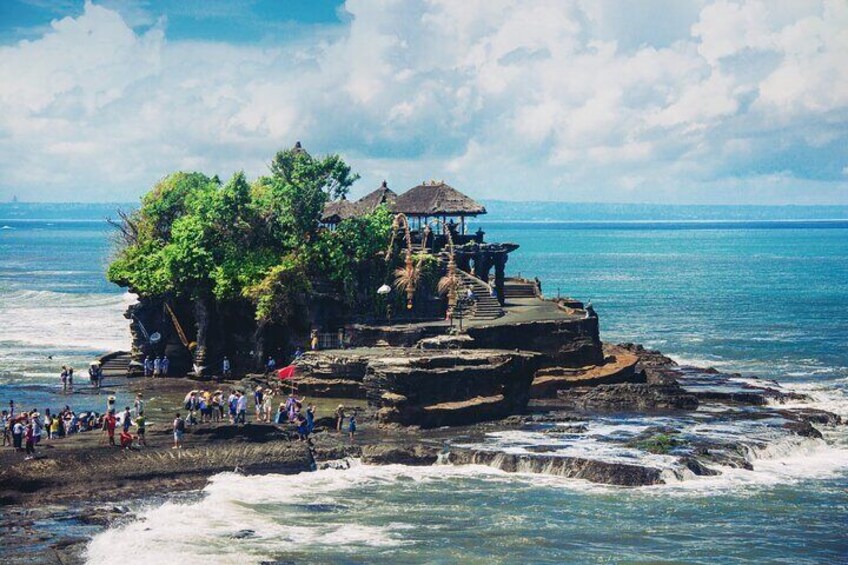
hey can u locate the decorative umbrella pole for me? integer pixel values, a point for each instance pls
(407, 276)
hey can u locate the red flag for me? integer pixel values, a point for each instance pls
(286, 372)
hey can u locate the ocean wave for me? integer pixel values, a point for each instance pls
(47, 319)
(277, 511)
(274, 515)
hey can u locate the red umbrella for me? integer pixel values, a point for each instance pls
(286, 372)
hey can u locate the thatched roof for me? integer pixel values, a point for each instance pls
(338, 210)
(427, 199)
(437, 199)
(383, 195)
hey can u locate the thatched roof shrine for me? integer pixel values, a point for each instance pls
(429, 199)
(437, 199)
(383, 195)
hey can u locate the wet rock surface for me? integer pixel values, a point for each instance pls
(637, 397)
(415, 454)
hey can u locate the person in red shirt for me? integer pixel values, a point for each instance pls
(29, 437)
(111, 422)
(126, 440)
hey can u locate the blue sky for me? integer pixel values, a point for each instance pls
(663, 101)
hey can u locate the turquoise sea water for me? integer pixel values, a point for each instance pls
(769, 298)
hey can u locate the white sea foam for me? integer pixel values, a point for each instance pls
(64, 320)
(791, 460)
(276, 509)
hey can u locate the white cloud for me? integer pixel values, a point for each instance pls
(568, 100)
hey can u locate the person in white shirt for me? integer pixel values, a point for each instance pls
(241, 409)
(138, 406)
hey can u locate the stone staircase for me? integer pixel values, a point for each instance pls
(516, 289)
(486, 306)
(115, 364)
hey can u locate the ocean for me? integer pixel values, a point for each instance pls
(762, 295)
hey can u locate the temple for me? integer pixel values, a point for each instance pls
(437, 214)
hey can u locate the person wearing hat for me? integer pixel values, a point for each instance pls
(267, 403)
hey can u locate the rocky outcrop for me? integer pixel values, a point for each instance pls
(565, 342)
(337, 374)
(632, 397)
(415, 455)
(122, 473)
(619, 367)
(594, 470)
(658, 368)
(432, 388)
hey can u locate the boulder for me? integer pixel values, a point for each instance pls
(627, 397)
(416, 454)
(593, 470)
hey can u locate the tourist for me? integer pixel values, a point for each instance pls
(109, 422)
(298, 353)
(218, 406)
(11, 409)
(148, 366)
(64, 376)
(310, 418)
(140, 425)
(35, 420)
(126, 422)
(281, 414)
(165, 365)
(232, 403)
(271, 365)
(352, 425)
(48, 421)
(126, 439)
(179, 429)
(157, 367)
(225, 368)
(341, 336)
(241, 408)
(55, 427)
(257, 402)
(302, 433)
(5, 428)
(70, 378)
(110, 404)
(313, 342)
(18, 430)
(29, 436)
(138, 405)
(267, 404)
(340, 416)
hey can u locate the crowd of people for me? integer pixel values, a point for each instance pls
(24, 431)
(206, 406)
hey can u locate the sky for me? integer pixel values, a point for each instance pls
(650, 101)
